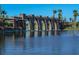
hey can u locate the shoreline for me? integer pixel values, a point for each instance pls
(71, 29)
(23, 30)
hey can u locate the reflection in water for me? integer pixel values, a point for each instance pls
(2, 43)
(31, 33)
(27, 33)
(46, 33)
(57, 43)
(36, 33)
(55, 32)
(19, 39)
(46, 42)
(39, 33)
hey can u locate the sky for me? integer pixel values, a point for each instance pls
(40, 9)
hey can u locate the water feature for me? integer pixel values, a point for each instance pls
(39, 43)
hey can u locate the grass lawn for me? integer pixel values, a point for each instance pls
(71, 28)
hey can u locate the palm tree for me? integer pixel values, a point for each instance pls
(70, 19)
(75, 14)
(4, 14)
(71, 22)
(60, 14)
(54, 12)
(0, 11)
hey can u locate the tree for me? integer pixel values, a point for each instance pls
(75, 14)
(60, 14)
(4, 14)
(54, 12)
(0, 11)
(70, 19)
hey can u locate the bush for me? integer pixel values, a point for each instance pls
(8, 24)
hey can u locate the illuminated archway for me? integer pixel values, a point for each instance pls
(43, 25)
(55, 26)
(35, 25)
(27, 25)
(49, 26)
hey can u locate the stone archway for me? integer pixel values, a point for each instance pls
(49, 26)
(43, 26)
(35, 25)
(28, 25)
(55, 26)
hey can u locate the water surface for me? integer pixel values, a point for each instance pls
(39, 43)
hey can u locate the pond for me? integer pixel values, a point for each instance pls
(39, 43)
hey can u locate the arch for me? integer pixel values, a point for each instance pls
(46, 25)
(55, 26)
(52, 24)
(28, 25)
(35, 25)
(43, 26)
(49, 26)
(59, 26)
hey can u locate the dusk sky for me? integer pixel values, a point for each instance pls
(39, 9)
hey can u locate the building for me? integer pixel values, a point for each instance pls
(1, 23)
